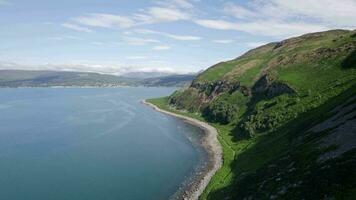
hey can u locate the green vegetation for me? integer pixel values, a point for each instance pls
(267, 105)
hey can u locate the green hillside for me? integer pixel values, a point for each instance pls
(286, 115)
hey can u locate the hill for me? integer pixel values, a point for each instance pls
(169, 81)
(24, 78)
(286, 115)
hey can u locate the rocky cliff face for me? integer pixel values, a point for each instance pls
(199, 94)
(213, 89)
(269, 87)
(271, 71)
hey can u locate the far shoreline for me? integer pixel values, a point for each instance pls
(210, 143)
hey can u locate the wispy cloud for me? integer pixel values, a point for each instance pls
(176, 3)
(139, 41)
(238, 11)
(76, 27)
(161, 48)
(165, 11)
(267, 28)
(255, 44)
(105, 20)
(182, 37)
(336, 13)
(169, 35)
(223, 41)
(160, 14)
(285, 18)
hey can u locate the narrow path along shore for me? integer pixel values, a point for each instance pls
(212, 146)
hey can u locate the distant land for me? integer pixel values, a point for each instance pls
(27, 78)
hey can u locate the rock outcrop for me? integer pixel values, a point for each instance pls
(213, 89)
(267, 86)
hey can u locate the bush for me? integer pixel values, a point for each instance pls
(220, 111)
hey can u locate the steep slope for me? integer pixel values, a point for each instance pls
(286, 118)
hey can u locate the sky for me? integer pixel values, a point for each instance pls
(176, 36)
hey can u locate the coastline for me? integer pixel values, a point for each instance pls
(211, 144)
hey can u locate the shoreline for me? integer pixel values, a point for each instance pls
(212, 146)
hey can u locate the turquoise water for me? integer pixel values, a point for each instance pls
(90, 144)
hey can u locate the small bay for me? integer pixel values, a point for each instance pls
(92, 143)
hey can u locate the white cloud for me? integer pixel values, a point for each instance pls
(216, 24)
(176, 3)
(223, 41)
(267, 28)
(156, 14)
(239, 11)
(105, 21)
(161, 14)
(172, 36)
(161, 48)
(182, 37)
(255, 44)
(183, 3)
(139, 41)
(338, 13)
(77, 28)
(285, 18)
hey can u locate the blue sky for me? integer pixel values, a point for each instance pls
(119, 36)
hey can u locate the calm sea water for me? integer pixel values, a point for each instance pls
(90, 144)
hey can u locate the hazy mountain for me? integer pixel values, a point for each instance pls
(169, 81)
(24, 78)
(144, 75)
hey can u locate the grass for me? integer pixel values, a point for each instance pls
(232, 151)
(268, 133)
(251, 157)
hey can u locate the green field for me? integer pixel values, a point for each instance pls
(271, 147)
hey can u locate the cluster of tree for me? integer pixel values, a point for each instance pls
(220, 111)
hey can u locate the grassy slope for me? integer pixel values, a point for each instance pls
(322, 80)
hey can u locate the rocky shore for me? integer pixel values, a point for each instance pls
(211, 144)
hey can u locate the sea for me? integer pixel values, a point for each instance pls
(91, 144)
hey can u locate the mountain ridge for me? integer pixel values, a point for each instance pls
(43, 78)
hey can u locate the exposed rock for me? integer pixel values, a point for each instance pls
(214, 89)
(246, 91)
(267, 85)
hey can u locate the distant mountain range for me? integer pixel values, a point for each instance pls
(24, 78)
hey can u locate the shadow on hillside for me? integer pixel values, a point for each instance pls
(349, 61)
(252, 168)
(238, 133)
